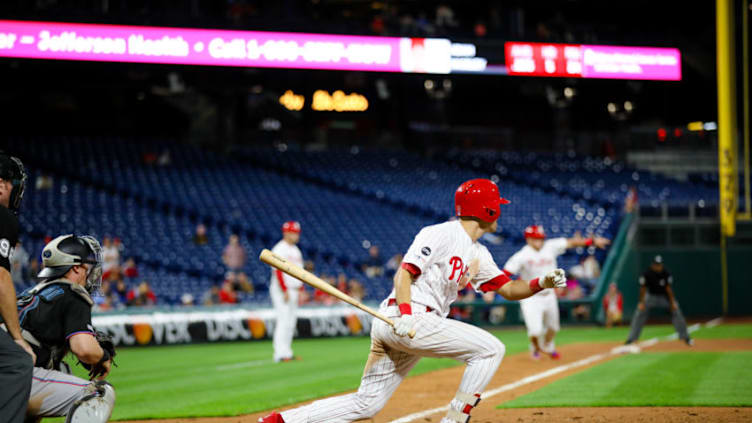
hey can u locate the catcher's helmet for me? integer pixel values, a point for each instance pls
(66, 251)
(478, 198)
(291, 226)
(12, 169)
(535, 231)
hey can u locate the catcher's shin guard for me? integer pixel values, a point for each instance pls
(95, 407)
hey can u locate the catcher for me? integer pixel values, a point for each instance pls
(55, 318)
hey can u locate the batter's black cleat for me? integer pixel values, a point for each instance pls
(690, 342)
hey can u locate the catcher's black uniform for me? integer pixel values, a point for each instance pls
(51, 313)
(15, 363)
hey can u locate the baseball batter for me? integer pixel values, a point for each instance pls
(284, 291)
(441, 260)
(541, 311)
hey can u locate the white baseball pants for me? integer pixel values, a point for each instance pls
(392, 357)
(287, 319)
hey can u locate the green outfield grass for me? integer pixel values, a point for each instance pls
(652, 379)
(226, 379)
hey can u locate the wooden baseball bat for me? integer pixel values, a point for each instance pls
(297, 272)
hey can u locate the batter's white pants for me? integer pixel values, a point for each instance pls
(287, 319)
(541, 314)
(392, 357)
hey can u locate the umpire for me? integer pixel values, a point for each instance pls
(15, 353)
(656, 291)
(56, 318)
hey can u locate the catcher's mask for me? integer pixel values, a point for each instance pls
(66, 251)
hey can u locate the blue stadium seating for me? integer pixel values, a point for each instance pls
(345, 200)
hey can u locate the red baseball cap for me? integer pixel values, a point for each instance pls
(535, 231)
(291, 226)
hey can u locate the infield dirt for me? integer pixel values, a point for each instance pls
(437, 388)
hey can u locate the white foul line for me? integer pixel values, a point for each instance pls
(551, 372)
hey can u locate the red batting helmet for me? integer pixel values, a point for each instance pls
(478, 198)
(291, 226)
(535, 231)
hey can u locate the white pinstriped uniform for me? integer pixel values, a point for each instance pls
(540, 311)
(442, 253)
(286, 311)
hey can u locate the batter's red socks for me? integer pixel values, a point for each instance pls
(272, 418)
(460, 407)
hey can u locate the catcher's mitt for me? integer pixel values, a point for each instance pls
(98, 369)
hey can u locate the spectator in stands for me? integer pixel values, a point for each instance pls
(186, 299)
(309, 265)
(33, 267)
(242, 283)
(211, 297)
(322, 297)
(149, 157)
(374, 265)
(377, 25)
(105, 304)
(631, 200)
(613, 305)
(227, 294)
(129, 269)
(103, 301)
(496, 314)
(120, 290)
(110, 255)
(118, 243)
(460, 312)
(444, 16)
(164, 158)
(393, 264)
(234, 254)
(342, 283)
(200, 237)
(19, 266)
(587, 273)
(141, 295)
(356, 289)
(43, 182)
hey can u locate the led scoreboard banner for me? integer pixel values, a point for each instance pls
(592, 61)
(187, 46)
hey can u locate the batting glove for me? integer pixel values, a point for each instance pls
(404, 324)
(554, 279)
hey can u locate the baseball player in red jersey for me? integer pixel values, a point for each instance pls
(541, 311)
(284, 291)
(442, 260)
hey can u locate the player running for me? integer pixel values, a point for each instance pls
(541, 311)
(442, 259)
(284, 291)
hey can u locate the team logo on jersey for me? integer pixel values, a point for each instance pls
(425, 251)
(458, 267)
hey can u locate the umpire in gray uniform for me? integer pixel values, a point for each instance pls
(656, 291)
(16, 356)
